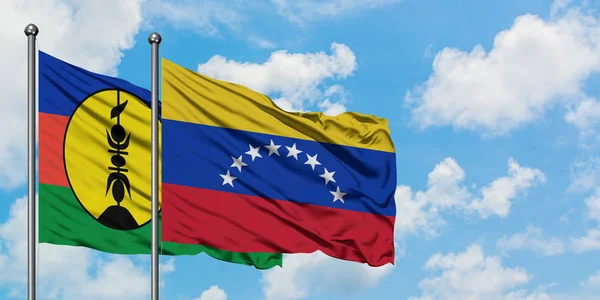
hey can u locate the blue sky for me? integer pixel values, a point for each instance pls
(492, 106)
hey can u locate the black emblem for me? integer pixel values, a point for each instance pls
(116, 216)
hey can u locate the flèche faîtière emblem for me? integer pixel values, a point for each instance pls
(108, 160)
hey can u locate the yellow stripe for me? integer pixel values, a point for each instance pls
(191, 97)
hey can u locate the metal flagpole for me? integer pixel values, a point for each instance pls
(154, 41)
(31, 32)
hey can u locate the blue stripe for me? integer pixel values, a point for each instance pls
(63, 86)
(194, 155)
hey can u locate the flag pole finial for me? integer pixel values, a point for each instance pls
(31, 29)
(154, 38)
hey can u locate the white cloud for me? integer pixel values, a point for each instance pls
(524, 295)
(301, 11)
(214, 18)
(413, 215)
(472, 275)
(211, 18)
(66, 272)
(593, 282)
(261, 42)
(213, 293)
(585, 175)
(532, 239)
(585, 116)
(496, 197)
(331, 109)
(427, 53)
(593, 206)
(589, 242)
(532, 66)
(292, 79)
(202, 16)
(74, 30)
(305, 274)
(420, 211)
(334, 102)
(559, 6)
(168, 266)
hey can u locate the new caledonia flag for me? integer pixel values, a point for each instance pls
(240, 174)
(94, 166)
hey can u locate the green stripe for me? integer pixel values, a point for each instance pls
(63, 221)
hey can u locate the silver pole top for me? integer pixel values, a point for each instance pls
(31, 29)
(154, 38)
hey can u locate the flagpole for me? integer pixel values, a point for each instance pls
(154, 39)
(31, 32)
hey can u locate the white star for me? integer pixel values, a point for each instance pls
(312, 161)
(293, 151)
(273, 148)
(238, 163)
(253, 152)
(228, 179)
(338, 195)
(328, 176)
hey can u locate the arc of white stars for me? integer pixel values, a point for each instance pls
(338, 195)
(253, 152)
(312, 161)
(238, 163)
(273, 148)
(292, 151)
(328, 176)
(227, 178)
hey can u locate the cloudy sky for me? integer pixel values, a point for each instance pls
(493, 107)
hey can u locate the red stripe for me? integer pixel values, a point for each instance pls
(51, 162)
(242, 223)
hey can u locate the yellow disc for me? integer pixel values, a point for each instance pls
(108, 158)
